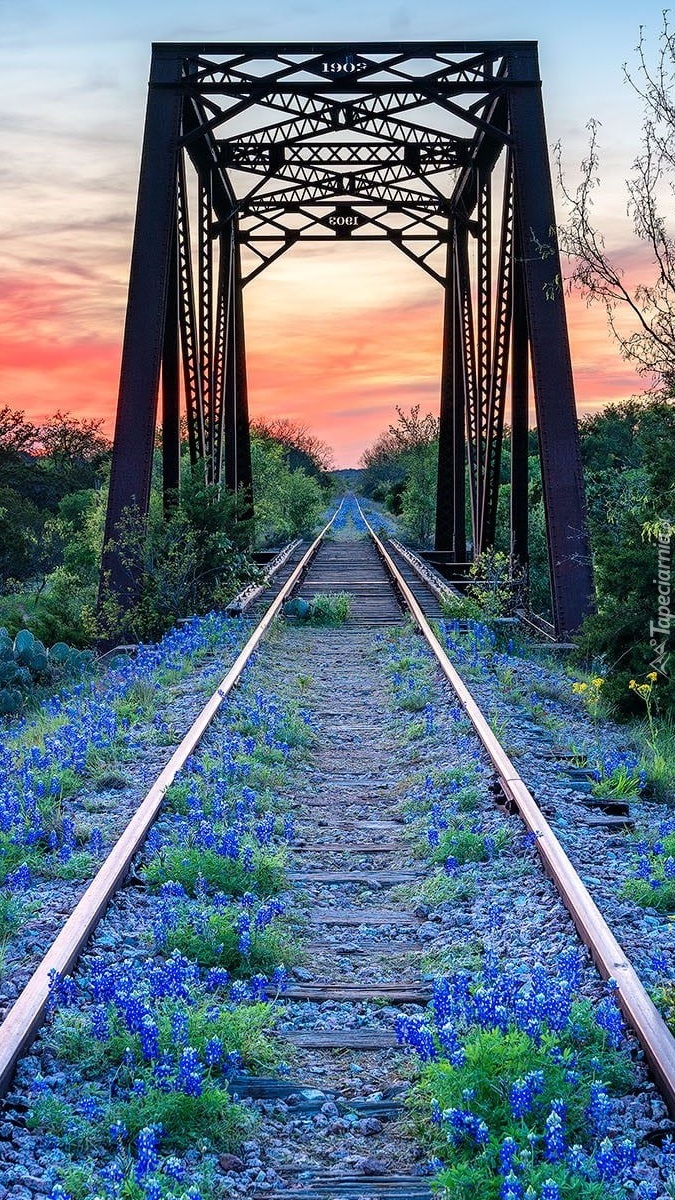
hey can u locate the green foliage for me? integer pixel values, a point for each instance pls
(495, 591)
(641, 892)
(212, 1118)
(209, 936)
(288, 503)
(330, 608)
(629, 458)
(460, 608)
(466, 845)
(441, 888)
(241, 1028)
(189, 563)
(12, 913)
(186, 865)
(401, 470)
(493, 1060)
(27, 667)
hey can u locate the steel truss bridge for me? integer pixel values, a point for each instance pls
(437, 148)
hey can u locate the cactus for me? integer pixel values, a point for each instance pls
(61, 654)
(25, 663)
(10, 701)
(297, 607)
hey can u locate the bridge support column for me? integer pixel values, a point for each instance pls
(144, 342)
(451, 499)
(519, 417)
(238, 473)
(559, 447)
(171, 388)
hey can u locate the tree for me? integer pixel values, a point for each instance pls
(650, 343)
(401, 468)
(301, 447)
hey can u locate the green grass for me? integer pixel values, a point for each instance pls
(493, 1061)
(210, 937)
(13, 910)
(466, 846)
(330, 608)
(186, 865)
(441, 888)
(641, 892)
(213, 1118)
(245, 1029)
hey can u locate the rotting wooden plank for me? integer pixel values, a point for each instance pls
(381, 877)
(609, 956)
(403, 993)
(401, 1187)
(26, 1014)
(362, 916)
(341, 1039)
(348, 848)
(370, 949)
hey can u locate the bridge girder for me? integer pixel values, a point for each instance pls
(437, 148)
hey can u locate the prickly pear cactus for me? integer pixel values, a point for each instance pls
(25, 663)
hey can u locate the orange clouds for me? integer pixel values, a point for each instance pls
(43, 366)
(334, 342)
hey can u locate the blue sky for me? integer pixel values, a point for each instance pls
(72, 96)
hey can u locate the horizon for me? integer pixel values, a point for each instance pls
(336, 337)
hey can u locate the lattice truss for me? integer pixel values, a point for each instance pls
(386, 144)
(436, 148)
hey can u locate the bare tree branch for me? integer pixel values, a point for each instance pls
(650, 345)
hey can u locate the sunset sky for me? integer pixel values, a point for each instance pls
(336, 337)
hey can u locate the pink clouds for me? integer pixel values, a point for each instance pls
(340, 367)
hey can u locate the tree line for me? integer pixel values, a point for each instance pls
(53, 497)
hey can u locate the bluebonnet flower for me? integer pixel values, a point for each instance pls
(554, 1132)
(410, 1031)
(63, 991)
(549, 1190)
(608, 1017)
(100, 1024)
(190, 1075)
(148, 1158)
(59, 1193)
(522, 1093)
(149, 1037)
(599, 1111)
(511, 1188)
(507, 1155)
(179, 1026)
(96, 843)
(607, 1162)
(279, 978)
(90, 1108)
(463, 1124)
(118, 1132)
(19, 880)
(173, 1168)
(213, 1052)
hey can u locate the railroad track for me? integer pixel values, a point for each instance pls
(350, 844)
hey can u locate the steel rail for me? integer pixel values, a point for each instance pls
(26, 1014)
(610, 958)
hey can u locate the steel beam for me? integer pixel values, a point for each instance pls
(451, 500)
(171, 388)
(519, 416)
(238, 472)
(144, 329)
(561, 467)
